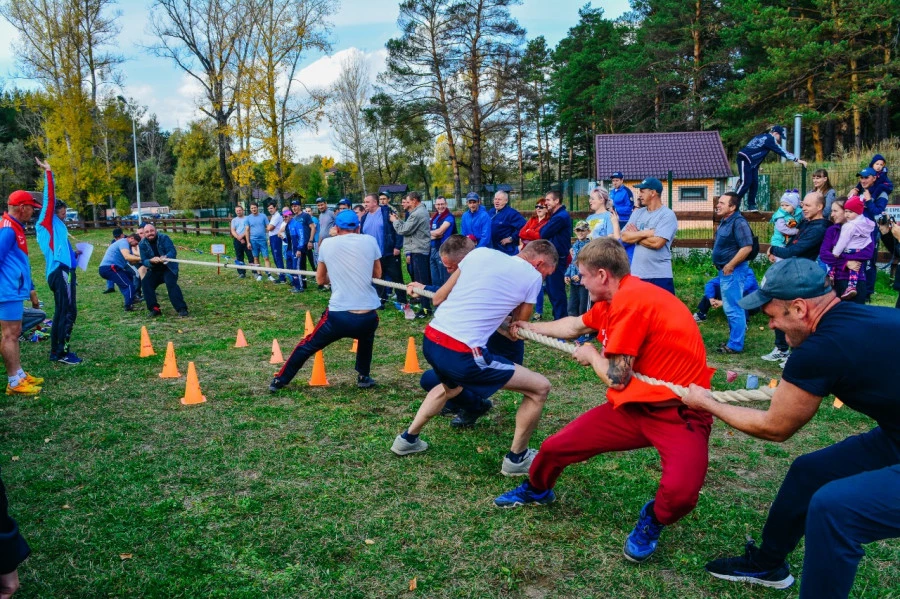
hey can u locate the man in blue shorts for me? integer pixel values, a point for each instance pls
(15, 287)
(257, 224)
(472, 304)
(845, 495)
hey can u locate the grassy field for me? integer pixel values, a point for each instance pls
(123, 492)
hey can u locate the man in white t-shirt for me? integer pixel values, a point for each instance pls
(275, 243)
(486, 288)
(348, 262)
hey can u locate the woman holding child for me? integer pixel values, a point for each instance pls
(842, 267)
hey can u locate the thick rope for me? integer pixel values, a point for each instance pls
(762, 394)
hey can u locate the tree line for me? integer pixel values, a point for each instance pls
(466, 98)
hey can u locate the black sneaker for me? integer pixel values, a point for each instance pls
(109, 291)
(154, 312)
(183, 313)
(275, 385)
(746, 568)
(467, 418)
(365, 382)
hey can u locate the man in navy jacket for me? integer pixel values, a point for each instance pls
(505, 224)
(752, 155)
(558, 231)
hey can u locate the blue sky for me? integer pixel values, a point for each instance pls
(359, 25)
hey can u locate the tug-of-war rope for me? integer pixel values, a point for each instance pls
(761, 394)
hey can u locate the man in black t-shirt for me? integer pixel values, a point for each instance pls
(842, 496)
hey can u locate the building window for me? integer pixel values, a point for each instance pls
(692, 194)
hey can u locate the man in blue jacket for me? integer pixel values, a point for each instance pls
(15, 287)
(558, 231)
(476, 224)
(53, 238)
(623, 202)
(505, 224)
(156, 248)
(376, 221)
(752, 155)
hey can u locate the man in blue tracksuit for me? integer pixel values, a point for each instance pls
(752, 155)
(558, 231)
(476, 224)
(505, 225)
(296, 232)
(623, 202)
(53, 238)
(376, 221)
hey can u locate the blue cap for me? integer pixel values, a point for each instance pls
(345, 202)
(650, 183)
(347, 219)
(295, 202)
(790, 279)
(617, 175)
(867, 172)
(779, 130)
(473, 196)
(320, 200)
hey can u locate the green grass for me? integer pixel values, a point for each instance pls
(252, 495)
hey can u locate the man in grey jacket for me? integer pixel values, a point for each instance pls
(416, 231)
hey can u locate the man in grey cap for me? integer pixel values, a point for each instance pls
(652, 229)
(842, 496)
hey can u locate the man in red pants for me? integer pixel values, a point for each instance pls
(643, 329)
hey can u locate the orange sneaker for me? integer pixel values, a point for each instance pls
(23, 388)
(34, 380)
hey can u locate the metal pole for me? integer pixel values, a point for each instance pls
(798, 122)
(669, 184)
(137, 178)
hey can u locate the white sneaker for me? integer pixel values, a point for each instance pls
(511, 468)
(259, 277)
(782, 363)
(403, 447)
(271, 278)
(776, 355)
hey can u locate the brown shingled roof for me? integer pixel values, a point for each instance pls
(688, 154)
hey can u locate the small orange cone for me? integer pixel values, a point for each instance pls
(146, 346)
(241, 341)
(309, 325)
(192, 394)
(412, 360)
(355, 345)
(318, 378)
(170, 367)
(773, 383)
(276, 358)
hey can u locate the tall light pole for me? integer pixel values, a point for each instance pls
(137, 179)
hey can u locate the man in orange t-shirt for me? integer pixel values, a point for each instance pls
(643, 329)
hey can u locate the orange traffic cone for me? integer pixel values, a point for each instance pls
(192, 394)
(146, 346)
(355, 345)
(308, 329)
(276, 358)
(241, 341)
(318, 378)
(170, 367)
(773, 383)
(412, 360)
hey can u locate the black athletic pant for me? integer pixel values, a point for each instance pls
(421, 273)
(62, 284)
(330, 328)
(155, 278)
(390, 271)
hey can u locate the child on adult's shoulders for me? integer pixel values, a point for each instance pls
(883, 183)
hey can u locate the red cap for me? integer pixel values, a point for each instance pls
(22, 198)
(854, 204)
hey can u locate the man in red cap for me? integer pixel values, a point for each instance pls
(15, 287)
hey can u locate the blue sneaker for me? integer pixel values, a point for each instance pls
(525, 495)
(750, 568)
(641, 542)
(70, 359)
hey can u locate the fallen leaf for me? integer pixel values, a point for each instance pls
(125, 556)
(47, 440)
(762, 328)
(15, 458)
(180, 331)
(66, 507)
(479, 449)
(370, 542)
(413, 584)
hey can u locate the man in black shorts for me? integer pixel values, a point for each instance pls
(844, 495)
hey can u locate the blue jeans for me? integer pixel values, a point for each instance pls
(840, 497)
(439, 274)
(276, 244)
(732, 287)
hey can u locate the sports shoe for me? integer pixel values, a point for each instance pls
(747, 568)
(467, 418)
(641, 542)
(365, 382)
(109, 291)
(71, 359)
(536, 316)
(849, 293)
(183, 313)
(698, 318)
(511, 468)
(271, 278)
(782, 364)
(154, 312)
(295, 290)
(23, 388)
(34, 380)
(776, 355)
(403, 447)
(724, 349)
(259, 277)
(275, 385)
(524, 494)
